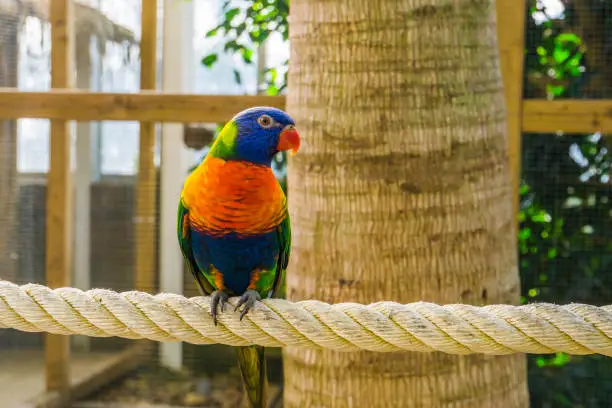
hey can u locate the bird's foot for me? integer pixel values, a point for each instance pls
(218, 298)
(248, 299)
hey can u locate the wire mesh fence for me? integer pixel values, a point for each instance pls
(566, 209)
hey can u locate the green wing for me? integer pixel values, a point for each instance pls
(184, 238)
(283, 233)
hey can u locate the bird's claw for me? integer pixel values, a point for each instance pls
(218, 298)
(248, 299)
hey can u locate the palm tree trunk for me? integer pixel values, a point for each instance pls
(401, 192)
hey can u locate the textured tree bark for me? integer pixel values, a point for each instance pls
(401, 192)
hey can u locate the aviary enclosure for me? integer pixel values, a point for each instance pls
(106, 105)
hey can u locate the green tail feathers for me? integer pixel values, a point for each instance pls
(253, 368)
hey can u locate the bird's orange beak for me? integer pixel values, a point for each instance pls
(289, 140)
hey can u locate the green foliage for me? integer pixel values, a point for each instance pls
(246, 27)
(209, 60)
(565, 239)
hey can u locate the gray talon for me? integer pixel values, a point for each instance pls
(248, 299)
(218, 298)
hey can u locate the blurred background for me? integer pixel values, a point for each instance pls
(240, 47)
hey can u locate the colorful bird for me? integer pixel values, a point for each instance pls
(233, 225)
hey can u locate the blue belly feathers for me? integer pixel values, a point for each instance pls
(235, 256)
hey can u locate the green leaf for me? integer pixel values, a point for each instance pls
(240, 28)
(237, 77)
(232, 46)
(273, 73)
(231, 14)
(525, 233)
(560, 359)
(272, 90)
(258, 36)
(575, 60)
(561, 54)
(254, 35)
(542, 216)
(209, 60)
(541, 51)
(213, 32)
(266, 15)
(568, 38)
(555, 90)
(247, 55)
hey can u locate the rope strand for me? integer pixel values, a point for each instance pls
(382, 327)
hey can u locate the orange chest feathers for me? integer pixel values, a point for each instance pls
(234, 196)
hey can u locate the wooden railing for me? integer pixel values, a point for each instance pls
(536, 115)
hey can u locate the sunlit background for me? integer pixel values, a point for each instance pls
(116, 68)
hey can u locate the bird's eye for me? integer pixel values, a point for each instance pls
(265, 121)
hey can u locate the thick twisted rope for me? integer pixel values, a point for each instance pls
(382, 326)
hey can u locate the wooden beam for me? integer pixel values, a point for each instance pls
(143, 106)
(58, 261)
(511, 37)
(567, 115)
(146, 197)
(538, 115)
(116, 366)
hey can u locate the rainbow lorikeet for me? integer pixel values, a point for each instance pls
(233, 224)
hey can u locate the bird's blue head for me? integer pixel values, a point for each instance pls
(255, 135)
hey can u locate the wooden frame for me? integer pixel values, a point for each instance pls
(118, 364)
(144, 106)
(146, 199)
(567, 115)
(59, 192)
(511, 39)
(145, 209)
(536, 115)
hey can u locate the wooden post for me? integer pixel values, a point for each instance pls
(177, 78)
(511, 37)
(59, 192)
(145, 213)
(82, 183)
